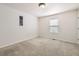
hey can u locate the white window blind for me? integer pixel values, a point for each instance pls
(54, 26)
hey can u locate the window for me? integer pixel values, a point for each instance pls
(21, 20)
(53, 25)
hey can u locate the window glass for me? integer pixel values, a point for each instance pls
(53, 22)
(54, 26)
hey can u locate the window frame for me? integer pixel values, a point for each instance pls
(53, 26)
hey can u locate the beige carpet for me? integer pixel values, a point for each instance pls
(41, 47)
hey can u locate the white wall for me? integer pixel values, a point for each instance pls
(10, 31)
(67, 27)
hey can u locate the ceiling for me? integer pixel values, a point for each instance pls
(51, 8)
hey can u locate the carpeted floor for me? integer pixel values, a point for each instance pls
(41, 47)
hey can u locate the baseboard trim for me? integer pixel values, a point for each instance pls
(64, 41)
(6, 45)
(69, 42)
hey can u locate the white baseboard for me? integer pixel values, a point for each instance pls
(12, 43)
(63, 40)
